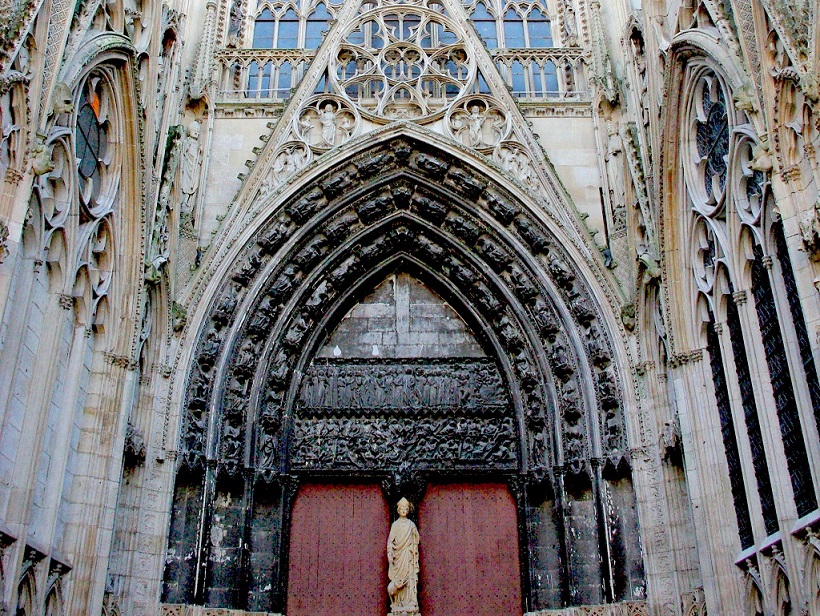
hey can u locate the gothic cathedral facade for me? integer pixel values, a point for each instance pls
(549, 270)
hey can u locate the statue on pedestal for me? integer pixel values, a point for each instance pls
(403, 563)
(191, 160)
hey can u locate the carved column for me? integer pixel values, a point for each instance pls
(99, 472)
(290, 487)
(61, 441)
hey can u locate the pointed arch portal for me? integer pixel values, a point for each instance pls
(403, 321)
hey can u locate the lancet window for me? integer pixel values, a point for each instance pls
(511, 25)
(727, 189)
(288, 25)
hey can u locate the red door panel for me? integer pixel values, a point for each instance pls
(469, 551)
(338, 562)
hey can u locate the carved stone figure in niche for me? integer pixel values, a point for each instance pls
(515, 161)
(326, 123)
(478, 124)
(616, 176)
(403, 563)
(189, 176)
(9, 131)
(290, 159)
(570, 25)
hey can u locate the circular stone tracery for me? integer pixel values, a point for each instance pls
(402, 63)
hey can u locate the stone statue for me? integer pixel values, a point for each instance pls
(476, 124)
(403, 563)
(328, 120)
(189, 176)
(617, 177)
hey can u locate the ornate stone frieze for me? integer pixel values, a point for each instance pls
(381, 443)
(402, 388)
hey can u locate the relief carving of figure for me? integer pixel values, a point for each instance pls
(476, 121)
(403, 563)
(189, 176)
(617, 177)
(328, 121)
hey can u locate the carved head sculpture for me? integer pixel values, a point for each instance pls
(403, 507)
(193, 130)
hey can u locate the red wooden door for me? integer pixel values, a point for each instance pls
(469, 551)
(338, 562)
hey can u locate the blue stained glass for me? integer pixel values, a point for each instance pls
(316, 24)
(485, 25)
(263, 31)
(514, 30)
(288, 31)
(267, 72)
(551, 77)
(285, 72)
(540, 29)
(519, 79)
(253, 79)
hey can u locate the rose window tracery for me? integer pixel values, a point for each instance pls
(711, 139)
(92, 148)
(402, 62)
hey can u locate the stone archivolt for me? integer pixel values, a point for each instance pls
(400, 212)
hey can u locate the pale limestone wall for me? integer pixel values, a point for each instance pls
(571, 147)
(231, 145)
(686, 511)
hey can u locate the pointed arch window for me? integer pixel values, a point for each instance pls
(728, 198)
(539, 29)
(317, 24)
(782, 387)
(485, 25)
(514, 29)
(727, 430)
(263, 30)
(750, 412)
(287, 36)
(796, 310)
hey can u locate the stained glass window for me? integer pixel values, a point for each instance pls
(91, 138)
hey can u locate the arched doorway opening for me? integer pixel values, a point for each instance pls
(534, 391)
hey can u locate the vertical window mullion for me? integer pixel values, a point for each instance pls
(727, 428)
(752, 419)
(782, 388)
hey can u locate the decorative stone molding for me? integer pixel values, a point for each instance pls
(412, 195)
(179, 316)
(167, 609)
(134, 447)
(810, 232)
(118, 360)
(625, 608)
(4, 241)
